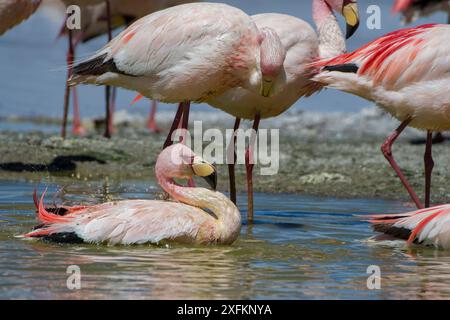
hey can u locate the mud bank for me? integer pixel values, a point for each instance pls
(320, 159)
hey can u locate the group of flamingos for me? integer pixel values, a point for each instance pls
(255, 68)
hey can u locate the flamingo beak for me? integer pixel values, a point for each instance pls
(212, 180)
(266, 87)
(207, 171)
(351, 15)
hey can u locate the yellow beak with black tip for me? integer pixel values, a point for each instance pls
(207, 171)
(351, 14)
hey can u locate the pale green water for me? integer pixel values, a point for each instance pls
(299, 248)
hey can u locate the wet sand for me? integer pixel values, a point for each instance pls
(314, 160)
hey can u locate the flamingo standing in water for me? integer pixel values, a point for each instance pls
(427, 226)
(302, 45)
(407, 73)
(413, 9)
(191, 52)
(95, 24)
(197, 215)
(77, 128)
(13, 12)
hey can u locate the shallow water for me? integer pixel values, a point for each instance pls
(299, 248)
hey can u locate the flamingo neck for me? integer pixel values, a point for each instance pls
(331, 38)
(227, 214)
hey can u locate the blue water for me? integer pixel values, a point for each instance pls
(298, 248)
(32, 63)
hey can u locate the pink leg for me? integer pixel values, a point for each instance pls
(151, 123)
(249, 164)
(386, 148)
(231, 166)
(429, 165)
(108, 121)
(70, 59)
(77, 127)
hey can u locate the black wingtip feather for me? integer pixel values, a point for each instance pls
(96, 66)
(346, 68)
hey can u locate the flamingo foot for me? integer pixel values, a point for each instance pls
(78, 130)
(153, 128)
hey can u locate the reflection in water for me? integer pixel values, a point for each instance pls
(299, 248)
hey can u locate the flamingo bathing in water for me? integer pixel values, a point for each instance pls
(191, 52)
(292, 81)
(427, 226)
(13, 12)
(407, 73)
(196, 215)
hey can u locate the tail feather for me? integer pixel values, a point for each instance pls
(47, 217)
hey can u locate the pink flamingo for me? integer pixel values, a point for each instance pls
(412, 9)
(301, 46)
(191, 52)
(406, 73)
(13, 12)
(77, 128)
(151, 221)
(95, 23)
(426, 226)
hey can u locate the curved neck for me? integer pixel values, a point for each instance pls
(228, 215)
(331, 38)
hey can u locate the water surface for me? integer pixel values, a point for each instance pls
(299, 248)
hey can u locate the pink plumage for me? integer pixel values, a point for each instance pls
(182, 219)
(13, 12)
(428, 226)
(407, 73)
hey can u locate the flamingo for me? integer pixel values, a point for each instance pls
(77, 128)
(406, 73)
(95, 23)
(196, 215)
(13, 12)
(190, 52)
(302, 45)
(429, 226)
(412, 9)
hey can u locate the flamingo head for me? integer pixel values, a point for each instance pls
(272, 57)
(180, 162)
(349, 9)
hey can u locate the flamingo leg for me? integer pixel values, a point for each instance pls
(249, 164)
(386, 148)
(232, 163)
(429, 165)
(107, 133)
(151, 123)
(176, 122)
(112, 109)
(77, 127)
(70, 59)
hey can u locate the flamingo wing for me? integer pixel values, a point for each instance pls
(125, 222)
(396, 60)
(156, 44)
(430, 226)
